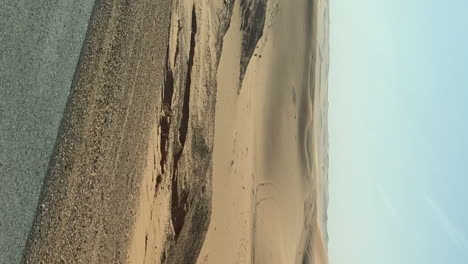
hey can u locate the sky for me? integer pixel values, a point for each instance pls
(398, 94)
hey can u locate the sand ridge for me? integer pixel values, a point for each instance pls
(184, 139)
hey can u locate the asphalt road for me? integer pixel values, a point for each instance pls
(40, 43)
(87, 207)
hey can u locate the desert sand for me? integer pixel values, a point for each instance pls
(270, 147)
(221, 155)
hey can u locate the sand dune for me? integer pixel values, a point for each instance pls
(269, 155)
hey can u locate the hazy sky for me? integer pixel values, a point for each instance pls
(398, 132)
